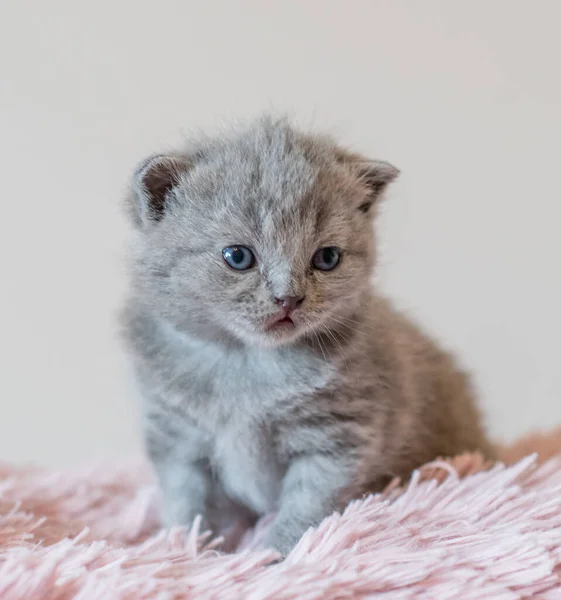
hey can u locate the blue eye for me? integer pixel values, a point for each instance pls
(326, 259)
(239, 257)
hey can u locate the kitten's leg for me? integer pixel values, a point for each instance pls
(188, 490)
(185, 488)
(183, 472)
(310, 492)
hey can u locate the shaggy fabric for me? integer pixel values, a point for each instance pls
(460, 529)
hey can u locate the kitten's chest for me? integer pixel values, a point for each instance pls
(216, 387)
(244, 460)
(234, 400)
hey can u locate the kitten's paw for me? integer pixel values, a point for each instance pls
(187, 519)
(282, 540)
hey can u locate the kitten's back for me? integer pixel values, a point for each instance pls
(441, 398)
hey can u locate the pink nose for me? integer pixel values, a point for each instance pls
(289, 303)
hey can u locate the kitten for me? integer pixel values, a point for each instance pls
(274, 376)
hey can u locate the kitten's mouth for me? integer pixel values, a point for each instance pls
(279, 322)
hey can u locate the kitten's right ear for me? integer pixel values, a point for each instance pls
(152, 184)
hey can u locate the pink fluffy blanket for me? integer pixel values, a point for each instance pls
(459, 529)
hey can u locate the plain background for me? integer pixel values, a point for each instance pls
(465, 97)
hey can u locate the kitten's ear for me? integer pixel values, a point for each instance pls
(377, 175)
(152, 183)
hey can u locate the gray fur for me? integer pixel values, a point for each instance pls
(240, 421)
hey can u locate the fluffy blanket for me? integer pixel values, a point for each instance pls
(458, 529)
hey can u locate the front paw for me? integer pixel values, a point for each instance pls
(283, 538)
(181, 516)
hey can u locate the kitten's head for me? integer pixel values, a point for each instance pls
(265, 235)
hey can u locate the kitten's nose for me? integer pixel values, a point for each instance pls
(290, 302)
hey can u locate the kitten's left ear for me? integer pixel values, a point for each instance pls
(377, 175)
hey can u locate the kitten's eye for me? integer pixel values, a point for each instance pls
(239, 257)
(326, 259)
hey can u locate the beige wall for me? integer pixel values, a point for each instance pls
(464, 96)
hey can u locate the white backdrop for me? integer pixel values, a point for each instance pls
(465, 97)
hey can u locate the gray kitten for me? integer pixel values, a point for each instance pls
(273, 375)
